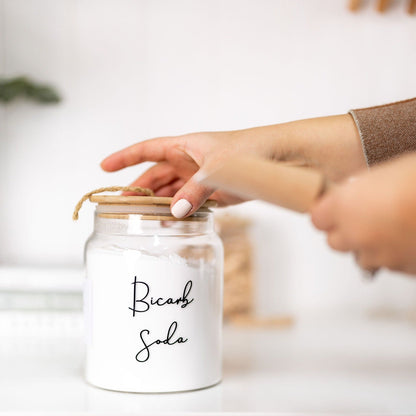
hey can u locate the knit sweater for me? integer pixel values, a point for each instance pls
(387, 130)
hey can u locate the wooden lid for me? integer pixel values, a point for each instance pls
(130, 201)
(140, 200)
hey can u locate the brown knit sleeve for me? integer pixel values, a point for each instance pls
(387, 130)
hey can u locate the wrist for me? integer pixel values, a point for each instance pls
(331, 144)
(272, 142)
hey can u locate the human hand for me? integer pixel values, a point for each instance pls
(179, 158)
(330, 144)
(374, 216)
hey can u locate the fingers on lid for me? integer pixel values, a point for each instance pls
(194, 194)
(156, 177)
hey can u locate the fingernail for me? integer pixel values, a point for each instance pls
(181, 208)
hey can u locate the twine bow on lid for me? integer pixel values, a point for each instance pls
(136, 189)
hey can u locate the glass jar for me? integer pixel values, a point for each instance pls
(153, 297)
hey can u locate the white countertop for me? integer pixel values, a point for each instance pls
(319, 366)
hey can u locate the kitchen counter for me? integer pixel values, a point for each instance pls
(317, 366)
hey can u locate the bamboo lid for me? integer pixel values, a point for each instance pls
(131, 201)
(140, 200)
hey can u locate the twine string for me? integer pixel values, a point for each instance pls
(136, 189)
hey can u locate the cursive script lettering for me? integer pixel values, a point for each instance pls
(144, 354)
(141, 302)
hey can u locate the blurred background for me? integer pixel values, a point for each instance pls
(129, 70)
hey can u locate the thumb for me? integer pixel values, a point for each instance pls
(322, 212)
(189, 198)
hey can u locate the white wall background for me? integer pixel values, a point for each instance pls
(135, 69)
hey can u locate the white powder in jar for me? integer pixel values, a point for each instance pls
(153, 322)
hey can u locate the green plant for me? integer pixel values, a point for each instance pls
(22, 87)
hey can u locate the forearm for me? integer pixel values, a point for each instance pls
(331, 144)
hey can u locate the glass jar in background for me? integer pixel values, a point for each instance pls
(153, 297)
